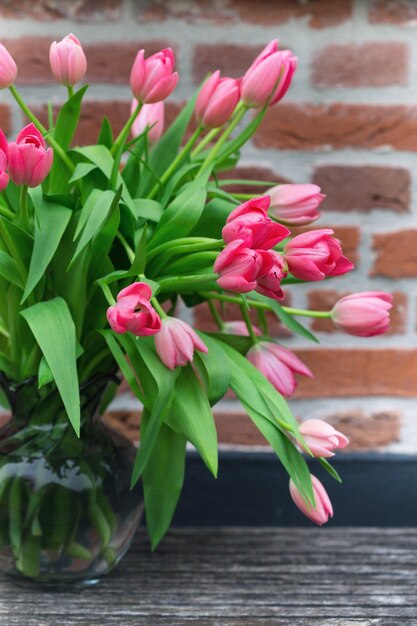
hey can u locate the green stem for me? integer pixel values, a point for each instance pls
(24, 213)
(244, 196)
(240, 112)
(6, 213)
(206, 140)
(50, 115)
(4, 234)
(70, 90)
(186, 283)
(119, 144)
(181, 156)
(184, 241)
(216, 315)
(245, 314)
(158, 308)
(62, 154)
(306, 313)
(9, 204)
(130, 253)
(262, 305)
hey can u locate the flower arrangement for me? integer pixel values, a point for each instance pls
(99, 243)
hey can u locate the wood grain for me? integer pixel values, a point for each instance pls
(241, 576)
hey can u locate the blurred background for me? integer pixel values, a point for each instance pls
(348, 123)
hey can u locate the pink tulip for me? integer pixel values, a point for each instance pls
(251, 223)
(260, 80)
(323, 507)
(29, 159)
(150, 116)
(363, 314)
(8, 69)
(176, 342)
(67, 59)
(216, 101)
(133, 312)
(273, 270)
(153, 79)
(322, 438)
(278, 365)
(239, 328)
(295, 205)
(238, 267)
(4, 151)
(315, 255)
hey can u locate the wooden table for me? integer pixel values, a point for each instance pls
(246, 576)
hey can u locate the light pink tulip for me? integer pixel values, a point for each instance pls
(278, 365)
(239, 328)
(323, 507)
(4, 151)
(322, 438)
(150, 116)
(295, 205)
(30, 160)
(153, 79)
(273, 270)
(216, 101)
(176, 342)
(251, 223)
(8, 69)
(315, 255)
(67, 59)
(133, 312)
(260, 80)
(238, 267)
(363, 314)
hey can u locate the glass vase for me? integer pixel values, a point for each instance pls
(67, 513)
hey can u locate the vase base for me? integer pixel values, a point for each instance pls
(60, 586)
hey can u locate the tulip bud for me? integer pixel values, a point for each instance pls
(269, 76)
(216, 101)
(322, 510)
(4, 151)
(133, 312)
(322, 438)
(363, 314)
(176, 342)
(271, 273)
(67, 59)
(238, 267)
(30, 160)
(153, 79)
(8, 69)
(239, 328)
(151, 116)
(295, 205)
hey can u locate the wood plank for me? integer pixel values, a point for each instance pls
(241, 577)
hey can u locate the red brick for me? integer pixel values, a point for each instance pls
(235, 427)
(373, 64)
(363, 188)
(5, 118)
(367, 432)
(396, 254)
(230, 312)
(231, 59)
(358, 372)
(325, 299)
(402, 12)
(248, 172)
(308, 126)
(46, 10)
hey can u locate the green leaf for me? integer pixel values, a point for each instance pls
(52, 220)
(9, 271)
(54, 330)
(191, 416)
(213, 368)
(330, 469)
(121, 361)
(213, 218)
(44, 373)
(106, 133)
(82, 170)
(285, 317)
(84, 214)
(148, 209)
(162, 479)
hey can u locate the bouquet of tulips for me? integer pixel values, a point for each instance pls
(99, 244)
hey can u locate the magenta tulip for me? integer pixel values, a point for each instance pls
(363, 314)
(176, 342)
(239, 328)
(4, 151)
(30, 160)
(295, 205)
(273, 270)
(320, 513)
(67, 59)
(133, 312)
(251, 223)
(238, 267)
(153, 79)
(322, 438)
(151, 116)
(269, 75)
(278, 365)
(315, 255)
(8, 69)
(216, 101)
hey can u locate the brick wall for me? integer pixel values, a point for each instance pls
(348, 123)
